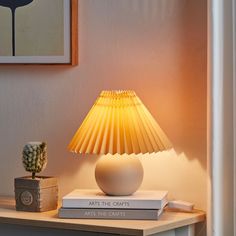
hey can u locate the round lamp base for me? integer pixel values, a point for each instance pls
(119, 176)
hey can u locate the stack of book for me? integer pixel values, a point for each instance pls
(92, 204)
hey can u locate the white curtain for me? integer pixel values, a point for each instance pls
(221, 88)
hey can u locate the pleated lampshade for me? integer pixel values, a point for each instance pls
(119, 123)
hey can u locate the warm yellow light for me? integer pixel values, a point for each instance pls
(119, 123)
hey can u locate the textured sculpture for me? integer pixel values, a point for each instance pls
(34, 157)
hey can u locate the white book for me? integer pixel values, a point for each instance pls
(91, 198)
(114, 214)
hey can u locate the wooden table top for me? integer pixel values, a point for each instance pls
(169, 220)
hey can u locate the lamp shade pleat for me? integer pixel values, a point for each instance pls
(119, 123)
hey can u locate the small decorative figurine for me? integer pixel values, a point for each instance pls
(35, 192)
(34, 157)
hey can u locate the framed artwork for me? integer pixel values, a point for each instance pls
(39, 32)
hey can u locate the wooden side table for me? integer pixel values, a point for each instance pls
(170, 223)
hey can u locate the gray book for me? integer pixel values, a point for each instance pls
(115, 214)
(89, 198)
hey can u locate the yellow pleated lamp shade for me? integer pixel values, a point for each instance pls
(119, 123)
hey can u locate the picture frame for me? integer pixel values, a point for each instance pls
(42, 32)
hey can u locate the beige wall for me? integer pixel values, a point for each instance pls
(157, 48)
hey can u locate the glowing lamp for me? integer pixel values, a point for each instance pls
(119, 124)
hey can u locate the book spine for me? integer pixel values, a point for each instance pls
(121, 214)
(120, 204)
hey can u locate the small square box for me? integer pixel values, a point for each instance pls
(36, 195)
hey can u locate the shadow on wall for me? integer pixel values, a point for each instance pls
(175, 172)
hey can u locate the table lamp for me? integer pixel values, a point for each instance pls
(119, 124)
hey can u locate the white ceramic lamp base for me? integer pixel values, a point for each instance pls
(119, 176)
